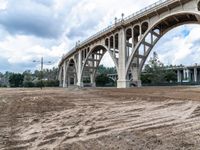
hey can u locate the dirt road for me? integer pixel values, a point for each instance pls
(156, 118)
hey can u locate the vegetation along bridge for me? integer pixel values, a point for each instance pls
(128, 42)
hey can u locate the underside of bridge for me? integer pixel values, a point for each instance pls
(92, 61)
(151, 37)
(129, 43)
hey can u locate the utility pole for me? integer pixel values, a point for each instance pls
(41, 71)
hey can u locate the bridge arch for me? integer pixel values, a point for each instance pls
(158, 30)
(92, 61)
(71, 72)
(198, 5)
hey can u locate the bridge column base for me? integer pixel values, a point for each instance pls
(93, 84)
(80, 84)
(123, 84)
(65, 85)
(137, 83)
(60, 85)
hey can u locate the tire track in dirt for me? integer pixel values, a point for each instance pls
(100, 119)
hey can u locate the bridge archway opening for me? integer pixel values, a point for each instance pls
(98, 56)
(107, 42)
(111, 43)
(179, 52)
(136, 33)
(71, 73)
(145, 27)
(116, 47)
(153, 35)
(129, 42)
(198, 6)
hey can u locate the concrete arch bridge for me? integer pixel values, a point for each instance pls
(128, 42)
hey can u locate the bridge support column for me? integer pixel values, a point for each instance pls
(179, 76)
(135, 72)
(79, 71)
(136, 77)
(60, 77)
(195, 75)
(64, 74)
(92, 80)
(122, 78)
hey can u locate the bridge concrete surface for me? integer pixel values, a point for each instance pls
(129, 42)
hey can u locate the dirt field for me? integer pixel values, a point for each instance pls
(100, 119)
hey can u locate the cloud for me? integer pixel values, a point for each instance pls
(180, 46)
(37, 19)
(20, 51)
(3, 4)
(45, 2)
(30, 29)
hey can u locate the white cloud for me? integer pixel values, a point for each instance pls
(66, 21)
(3, 4)
(179, 47)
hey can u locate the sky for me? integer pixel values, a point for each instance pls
(31, 29)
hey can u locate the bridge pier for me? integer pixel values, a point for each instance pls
(64, 74)
(122, 77)
(79, 67)
(123, 84)
(92, 80)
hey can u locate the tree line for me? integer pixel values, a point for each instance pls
(46, 78)
(154, 73)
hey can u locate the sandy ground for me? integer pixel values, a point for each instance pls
(156, 118)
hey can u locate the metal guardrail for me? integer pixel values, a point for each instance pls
(135, 15)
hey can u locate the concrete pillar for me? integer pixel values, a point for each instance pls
(185, 77)
(64, 74)
(179, 76)
(75, 79)
(79, 70)
(135, 73)
(122, 80)
(188, 74)
(60, 76)
(195, 75)
(68, 80)
(92, 80)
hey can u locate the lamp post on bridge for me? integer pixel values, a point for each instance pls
(41, 68)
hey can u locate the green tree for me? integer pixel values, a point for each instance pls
(16, 80)
(155, 72)
(50, 74)
(170, 76)
(106, 70)
(104, 80)
(27, 76)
